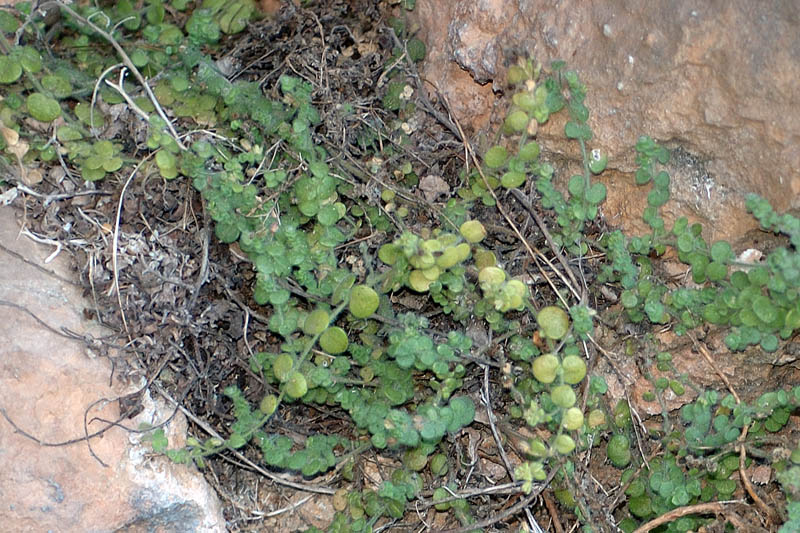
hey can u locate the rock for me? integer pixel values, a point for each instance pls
(49, 385)
(717, 82)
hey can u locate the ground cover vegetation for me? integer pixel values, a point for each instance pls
(366, 314)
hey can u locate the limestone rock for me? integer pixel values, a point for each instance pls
(718, 81)
(49, 385)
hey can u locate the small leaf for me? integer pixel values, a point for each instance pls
(463, 412)
(573, 419)
(473, 231)
(563, 396)
(511, 180)
(564, 444)
(721, 251)
(516, 121)
(316, 322)
(334, 340)
(574, 368)
(416, 49)
(764, 309)
(495, 157)
(112, 164)
(643, 176)
(597, 161)
(296, 386)
(545, 368)
(596, 194)
(328, 215)
(30, 59)
(43, 108)
(68, 133)
(553, 321)
(236, 440)
(574, 130)
(363, 301)
(159, 441)
(619, 451)
(657, 197)
(282, 365)
(716, 271)
(58, 86)
(576, 185)
(528, 152)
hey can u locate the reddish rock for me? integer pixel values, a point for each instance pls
(49, 385)
(720, 81)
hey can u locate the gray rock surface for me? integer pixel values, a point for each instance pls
(49, 385)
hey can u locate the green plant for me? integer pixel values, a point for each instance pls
(759, 302)
(339, 339)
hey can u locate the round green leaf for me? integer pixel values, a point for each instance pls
(721, 251)
(59, 87)
(573, 419)
(268, 404)
(769, 343)
(282, 365)
(657, 197)
(8, 23)
(439, 464)
(30, 59)
(363, 301)
(512, 179)
(597, 161)
(463, 412)
(68, 133)
(764, 309)
(517, 121)
(525, 100)
(43, 108)
(716, 271)
(574, 130)
(316, 322)
(640, 506)
(473, 231)
(545, 368)
(328, 215)
(416, 49)
(389, 253)
(112, 164)
(94, 162)
(685, 242)
(165, 159)
(574, 369)
(92, 174)
(564, 444)
(563, 396)
(418, 281)
(576, 185)
(453, 255)
(334, 340)
(296, 386)
(495, 157)
(415, 459)
(104, 148)
(441, 494)
(596, 194)
(619, 451)
(491, 276)
(553, 322)
(528, 152)
(10, 70)
(629, 299)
